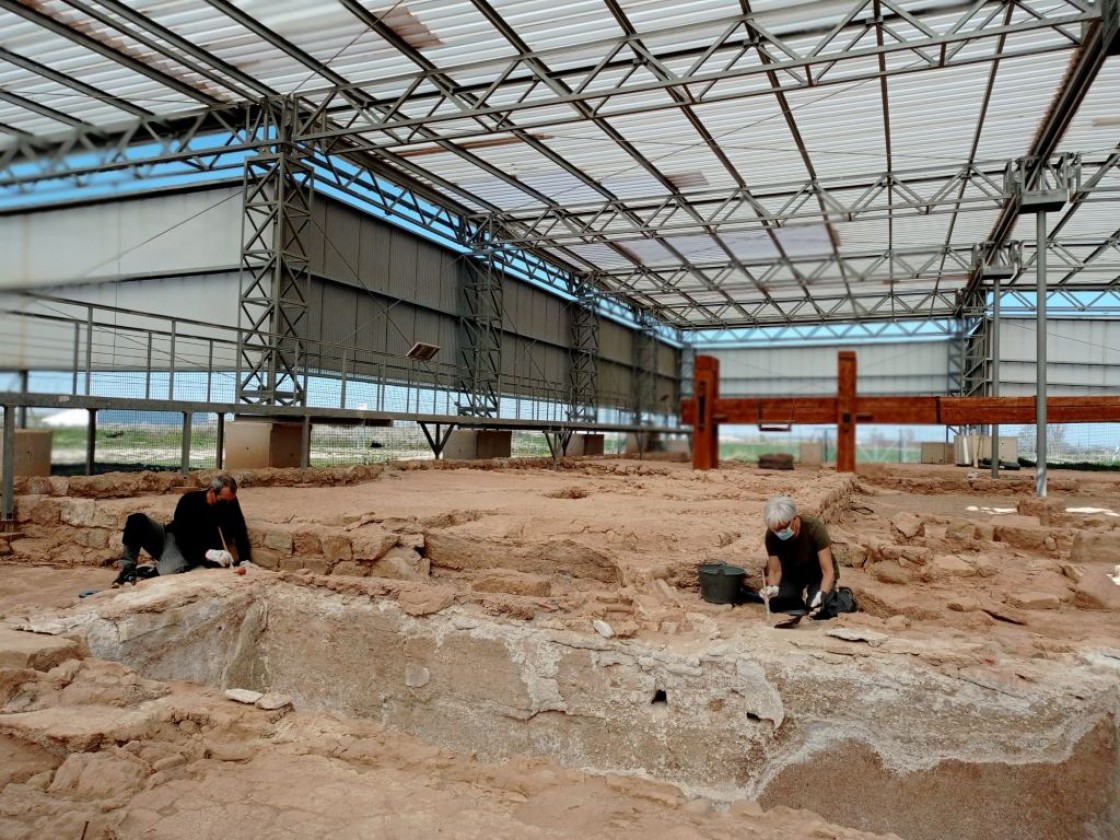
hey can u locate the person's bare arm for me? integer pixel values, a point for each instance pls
(828, 576)
(773, 571)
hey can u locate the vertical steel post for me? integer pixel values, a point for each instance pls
(89, 349)
(171, 365)
(9, 463)
(185, 452)
(993, 337)
(91, 441)
(221, 439)
(305, 443)
(1040, 365)
(24, 385)
(846, 412)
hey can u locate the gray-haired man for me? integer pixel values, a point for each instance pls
(801, 572)
(205, 524)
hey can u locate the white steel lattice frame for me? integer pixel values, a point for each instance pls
(611, 157)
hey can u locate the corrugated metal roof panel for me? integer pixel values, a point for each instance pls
(651, 127)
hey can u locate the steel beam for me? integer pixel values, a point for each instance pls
(584, 357)
(612, 85)
(275, 273)
(480, 337)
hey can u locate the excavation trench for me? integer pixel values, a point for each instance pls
(885, 735)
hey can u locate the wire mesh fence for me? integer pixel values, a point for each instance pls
(129, 441)
(137, 440)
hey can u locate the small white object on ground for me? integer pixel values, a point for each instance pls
(273, 702)
(602, 628)
(243, 695)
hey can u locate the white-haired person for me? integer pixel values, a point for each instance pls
(801, 573)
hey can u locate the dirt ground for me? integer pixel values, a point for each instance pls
(945, 556)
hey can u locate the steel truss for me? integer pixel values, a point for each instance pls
(275, 272)
(355, 135)
(645, 372)
(584, 371)
(614, 82)
(480, 337)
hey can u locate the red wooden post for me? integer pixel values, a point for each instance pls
(846, 412)
(705, 431)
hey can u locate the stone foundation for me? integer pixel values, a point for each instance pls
(866, 731)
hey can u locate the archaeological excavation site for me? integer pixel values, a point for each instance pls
(523, 649)
(600, 420)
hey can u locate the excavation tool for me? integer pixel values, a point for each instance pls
(794, 619)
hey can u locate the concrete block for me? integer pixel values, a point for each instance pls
(33, 452)
(586, 445)
(469, 445)
(494, 444)
(969, 449)
(810, 453)
(253, 444)
(1008, 448)
(460, 446)
(937, 453)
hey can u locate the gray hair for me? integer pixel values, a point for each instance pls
(778, 511)
(218, 483)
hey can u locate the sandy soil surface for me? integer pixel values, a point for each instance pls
(936, 555)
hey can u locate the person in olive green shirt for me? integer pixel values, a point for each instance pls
(801, 573)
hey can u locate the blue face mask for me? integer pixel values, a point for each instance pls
(786, 534)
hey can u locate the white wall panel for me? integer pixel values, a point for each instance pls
(1083, 357)
(884, 369)
(167, 234)
(374, 286)
(32, 344)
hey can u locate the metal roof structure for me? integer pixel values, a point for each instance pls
(707, 164)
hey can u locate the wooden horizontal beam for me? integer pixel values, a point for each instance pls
(926, 411)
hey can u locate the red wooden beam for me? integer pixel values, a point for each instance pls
(706, 412)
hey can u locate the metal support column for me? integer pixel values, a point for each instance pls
(994, 389)
(1042, 186)
(993, 263)
(274, 268)
(1040, 359)
(645, 372)
(91, 441)
(185, 452)
(221, 442)
(584, 371)
(9, 463)
(24, 387)
(480, 336)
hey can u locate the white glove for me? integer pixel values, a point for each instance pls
(222, 558)
(768, 592)
(816, 604)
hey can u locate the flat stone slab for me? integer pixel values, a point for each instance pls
(84, 731)
(34, 650)
(243, 695)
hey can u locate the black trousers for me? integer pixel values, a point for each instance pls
(797, 590)
(141, 532)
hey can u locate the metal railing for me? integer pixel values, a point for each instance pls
(112, 351)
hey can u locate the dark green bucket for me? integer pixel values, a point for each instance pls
(721, 583)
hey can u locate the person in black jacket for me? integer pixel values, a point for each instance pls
(206, 523)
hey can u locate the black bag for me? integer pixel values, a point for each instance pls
(842, 600)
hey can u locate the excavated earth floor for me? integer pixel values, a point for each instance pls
(521, 649)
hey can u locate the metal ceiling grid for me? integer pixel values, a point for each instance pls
(713, 164)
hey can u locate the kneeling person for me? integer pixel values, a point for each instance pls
(801, 573)
(205, 523)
